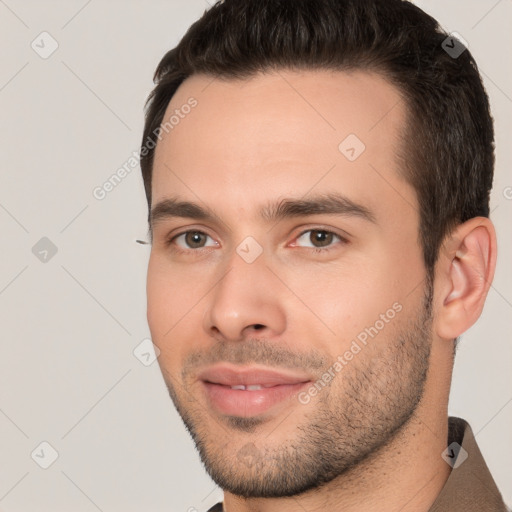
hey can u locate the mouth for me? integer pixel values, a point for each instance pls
(249, 391)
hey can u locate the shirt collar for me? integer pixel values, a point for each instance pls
(470, 486)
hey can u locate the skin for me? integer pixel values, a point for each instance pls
(381, 424)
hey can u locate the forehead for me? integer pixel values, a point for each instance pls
(279, 133)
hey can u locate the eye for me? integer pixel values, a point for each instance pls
(191, 240)
(319, 239)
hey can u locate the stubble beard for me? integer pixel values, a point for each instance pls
(375, 398)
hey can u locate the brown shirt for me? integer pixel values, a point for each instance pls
(470, 486)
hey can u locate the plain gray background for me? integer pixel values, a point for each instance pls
(70, 323)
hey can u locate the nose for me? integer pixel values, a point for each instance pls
(245, 302)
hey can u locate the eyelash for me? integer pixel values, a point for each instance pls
(316, 250)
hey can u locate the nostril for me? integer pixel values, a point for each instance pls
(258, 326)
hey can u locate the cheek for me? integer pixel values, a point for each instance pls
(170, 299)
(347, 299)
(157, 298)
(175, 308)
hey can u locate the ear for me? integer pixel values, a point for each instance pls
(464, 273)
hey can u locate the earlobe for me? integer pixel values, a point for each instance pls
(465, 277)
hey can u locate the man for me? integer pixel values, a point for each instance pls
(318, 177)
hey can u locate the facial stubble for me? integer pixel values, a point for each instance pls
(377, 395)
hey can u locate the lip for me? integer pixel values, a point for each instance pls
(276, 387)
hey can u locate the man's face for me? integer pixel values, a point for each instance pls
(321, 313)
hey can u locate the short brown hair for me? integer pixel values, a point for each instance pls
(448, 150)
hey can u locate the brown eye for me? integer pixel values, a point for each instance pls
(318, 239)
(189, 240)
(195, 239)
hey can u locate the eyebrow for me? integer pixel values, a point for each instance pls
(327, 204)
